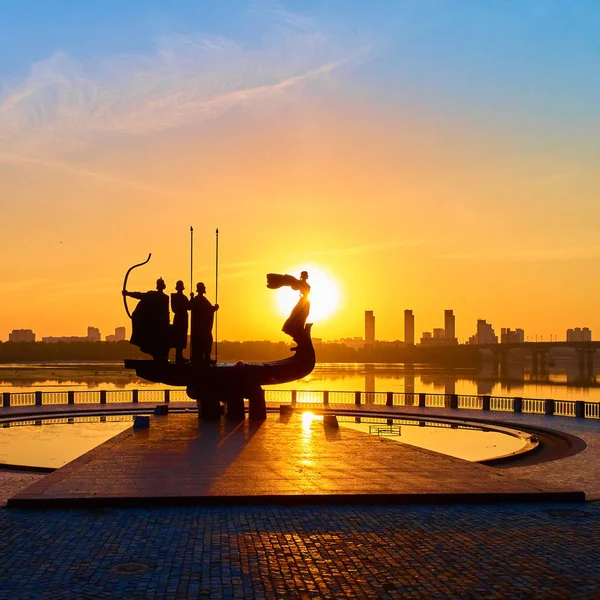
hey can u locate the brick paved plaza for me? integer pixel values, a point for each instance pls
(178, 459)
(494, 551)
(504, 550)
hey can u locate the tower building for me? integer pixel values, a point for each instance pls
(93, 334)
(409, 327)
(369, 328)
(449, 325)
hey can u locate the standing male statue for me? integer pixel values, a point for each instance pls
(203, 314)
(180, 304)
(150, 321)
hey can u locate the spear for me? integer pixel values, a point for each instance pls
(217, 294)
(191, 259)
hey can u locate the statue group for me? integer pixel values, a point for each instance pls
(155, 335)
(222, 387)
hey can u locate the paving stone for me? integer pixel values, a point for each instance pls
(178, 458)
(520, 551)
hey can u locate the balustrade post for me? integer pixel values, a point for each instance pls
(518, 405)
(422, 399)
(453, 400)
(6, 399)
(357, 398)
(485, 402)
(389, 400)
(579, 409)
(294, 397)
(38, 398)
(70, 397)
(135, 396)
(167, 396)
(102, 396)
(326, 398)
(550, 407)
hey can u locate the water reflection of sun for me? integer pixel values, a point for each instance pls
(324, 294)
(307, 419)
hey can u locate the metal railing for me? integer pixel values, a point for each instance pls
(541, 406)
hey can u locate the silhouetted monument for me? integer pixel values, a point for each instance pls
(213, 385)
(180, 305)
(203, 315)
(150, 321)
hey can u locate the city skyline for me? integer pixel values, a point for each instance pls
(422, 154)
(443, 335)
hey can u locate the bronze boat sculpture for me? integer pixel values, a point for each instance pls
(228, 384)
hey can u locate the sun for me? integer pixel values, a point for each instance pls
(324, 294)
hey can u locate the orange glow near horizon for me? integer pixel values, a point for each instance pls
(394, 222)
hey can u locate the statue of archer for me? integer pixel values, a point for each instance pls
(150, 327)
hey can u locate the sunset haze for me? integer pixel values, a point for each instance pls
(426, 156)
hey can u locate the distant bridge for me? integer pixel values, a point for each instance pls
(539, 351)
(542, 345)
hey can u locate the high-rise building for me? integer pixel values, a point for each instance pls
(21, 335)
(485, 334)
(445, 336)
(579, 334)
(118, 336)
(449, 325)
(507, 336)
(409, 327)
(93, 334)
(369, 328)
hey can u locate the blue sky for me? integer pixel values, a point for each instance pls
(479, 55)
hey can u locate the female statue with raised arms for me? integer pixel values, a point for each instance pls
(294, 326)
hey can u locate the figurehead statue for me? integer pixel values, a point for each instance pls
(294, 325)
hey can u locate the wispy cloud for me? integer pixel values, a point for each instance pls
(559, 253)
(8, 158)
(365, 249)
(65, 103)
(85, 286)
(246, 266)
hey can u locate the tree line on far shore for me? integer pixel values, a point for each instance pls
(24, 352)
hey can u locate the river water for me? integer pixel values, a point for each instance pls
(560, 383)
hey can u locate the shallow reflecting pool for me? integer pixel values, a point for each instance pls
(51, 443)
(467, 442)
